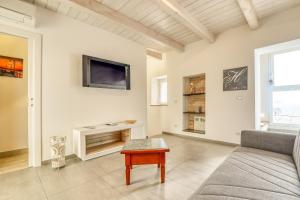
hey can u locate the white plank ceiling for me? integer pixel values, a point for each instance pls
(216, 15)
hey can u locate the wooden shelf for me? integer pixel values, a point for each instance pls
(104, 147)
(194, 113)
(194, 94)
(194, 131)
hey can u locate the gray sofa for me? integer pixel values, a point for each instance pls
(263, 168)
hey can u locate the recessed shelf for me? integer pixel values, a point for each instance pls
(195, 113)
(194, 94)
(194, 98)
(95, 149)
(194, 131)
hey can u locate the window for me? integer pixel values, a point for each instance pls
(285, 88)
(159, 91)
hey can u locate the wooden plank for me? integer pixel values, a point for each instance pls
(102, 143)
(73, 13)
(53, 5)
(103, 147)
(183, 16)
(41, 3)
(124, 20)
(103, 134)
(102, 139)
(249, 13)
(154, 54)
(63, 9)
(116, 4)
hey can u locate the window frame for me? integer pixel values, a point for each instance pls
(281, 88)
(156, 91)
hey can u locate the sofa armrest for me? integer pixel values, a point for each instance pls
(269, 141)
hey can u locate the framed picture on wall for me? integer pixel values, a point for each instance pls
(235, 79)
(11, 67)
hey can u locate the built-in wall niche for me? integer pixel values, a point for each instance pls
(105, 141)
(194, 104)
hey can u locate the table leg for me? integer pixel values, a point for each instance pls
(128, 167)
(162, 171)
(127, 174)
(162, 167)
(158, 165)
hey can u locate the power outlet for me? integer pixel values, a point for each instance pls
(239, 98)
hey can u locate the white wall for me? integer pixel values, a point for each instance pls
(13, 97)
(155, 68)
(226, 116)
(65, 103)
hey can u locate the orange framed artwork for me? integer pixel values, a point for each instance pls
(12, 67)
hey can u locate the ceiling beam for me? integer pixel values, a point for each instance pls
(177, 11)
(154, 54)
(120, 18)
(249, 13)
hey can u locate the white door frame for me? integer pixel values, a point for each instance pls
(34, 91)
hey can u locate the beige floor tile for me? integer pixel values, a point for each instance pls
(95, 166)
(78, 174)
(54, 184)
(171, 190)
(18, 177)
(55, 181)
(91, 190)
(112, 163)
(28, 190)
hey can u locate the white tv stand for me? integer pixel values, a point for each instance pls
(94, 141)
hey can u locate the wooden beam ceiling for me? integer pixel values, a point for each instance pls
(154, 54)
(177, 11)
(118, 17)
(249, 13)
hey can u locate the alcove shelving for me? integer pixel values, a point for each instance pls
(194, 104)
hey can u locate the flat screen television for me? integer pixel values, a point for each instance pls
(103, 73)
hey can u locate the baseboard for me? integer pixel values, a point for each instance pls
(68, 157)
(202, 139)
(13, 152)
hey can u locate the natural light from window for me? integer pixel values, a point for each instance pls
(163, 91)
(159, 90)
(286, 88)
(287, 68)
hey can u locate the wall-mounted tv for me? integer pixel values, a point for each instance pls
(103, 73)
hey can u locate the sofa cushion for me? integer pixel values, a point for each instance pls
(296, 153)
(252, 174)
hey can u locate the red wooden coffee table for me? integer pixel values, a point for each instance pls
(148, 151)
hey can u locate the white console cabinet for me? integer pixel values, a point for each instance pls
(94, 141)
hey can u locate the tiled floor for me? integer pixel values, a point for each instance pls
(14, 162)
(189, 163)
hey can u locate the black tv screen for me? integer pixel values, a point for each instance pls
(103, 73)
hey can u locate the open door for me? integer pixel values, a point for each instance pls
(13, 103)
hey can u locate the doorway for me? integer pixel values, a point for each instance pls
(13, 103)
(32, 72)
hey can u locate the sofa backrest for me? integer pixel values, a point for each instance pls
(296, 153)
(269, 141)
